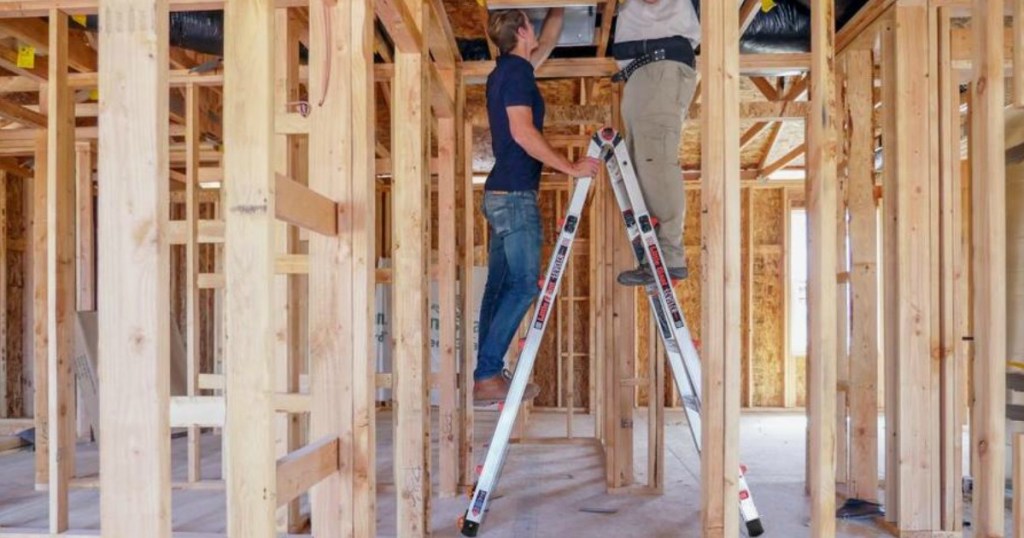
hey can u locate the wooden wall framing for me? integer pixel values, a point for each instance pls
(264, 267)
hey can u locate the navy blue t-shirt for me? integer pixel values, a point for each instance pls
(512, 83)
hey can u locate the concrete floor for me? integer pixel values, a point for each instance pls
(554, 491)
(546, 491)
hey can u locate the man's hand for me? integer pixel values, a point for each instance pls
(585, 167)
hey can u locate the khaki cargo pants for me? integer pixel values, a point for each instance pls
(654, 105)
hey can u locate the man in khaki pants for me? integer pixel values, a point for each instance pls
(654, 45)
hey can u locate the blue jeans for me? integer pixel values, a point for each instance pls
(512, 272)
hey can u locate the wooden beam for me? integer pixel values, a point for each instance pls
(194, 411)
(863, 393)
(192, 359)
(210, 231)
(410, 143)
(748, 12)
(911, 157)
(19, 114)
(441, 37)
(287, 29)
(39, 301)
(441, 101)
(890, 275)
(85, 224)
(134, 324)
(766, 88)
(41, 8)
(988, 177)
(720, 239)
(36, 74)
(34, 32)
(866, 17)
(250, 472)
(401, 24)
(11, 167)
(604, 32)
(822, 261)
(476, 72)
(467, 228)
(446, 232)
(304, 468)
(60, 273)
(952, 302)
(785, 160)
(299, 205)
(330, 284)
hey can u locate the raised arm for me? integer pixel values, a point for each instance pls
(548, 37)
(520, 121)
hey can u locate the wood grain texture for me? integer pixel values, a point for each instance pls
(134, 324)
(250, 471)
(822, 263)
(988, 176)
(864, 350)
(720, 239)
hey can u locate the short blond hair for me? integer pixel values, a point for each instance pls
(502, 27)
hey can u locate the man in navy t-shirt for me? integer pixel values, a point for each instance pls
(515, 109)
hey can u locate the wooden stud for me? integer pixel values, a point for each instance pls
(409, 153)
(863, 392)
(249, 267)
(330, 279)
(39, 305)
(85, 229)
(951, 303)
(364, 222)
(988, 177)
(286, 90)
(890, 276)
(60, 274)
(468, 321)
(448, 418)
(822, 263)
(192, 121)
(720, 288)
(134, 324)
(914, 394)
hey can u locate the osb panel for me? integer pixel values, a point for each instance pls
(767, 300)
(769, 362)
(691, 230)
(769, 226)
(15, 308)
(466, 17)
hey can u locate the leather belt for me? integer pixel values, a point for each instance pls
(676, 48)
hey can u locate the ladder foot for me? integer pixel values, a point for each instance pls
(468, 528)
(754, 528)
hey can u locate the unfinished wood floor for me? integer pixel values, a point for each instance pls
(547, 491)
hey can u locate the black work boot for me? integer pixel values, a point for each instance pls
(643, 276)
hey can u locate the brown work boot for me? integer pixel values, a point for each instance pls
(494, 389)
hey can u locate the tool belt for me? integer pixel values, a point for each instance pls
(647, 51)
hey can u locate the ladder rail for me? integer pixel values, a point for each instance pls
(498, 450)
(683, 357)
